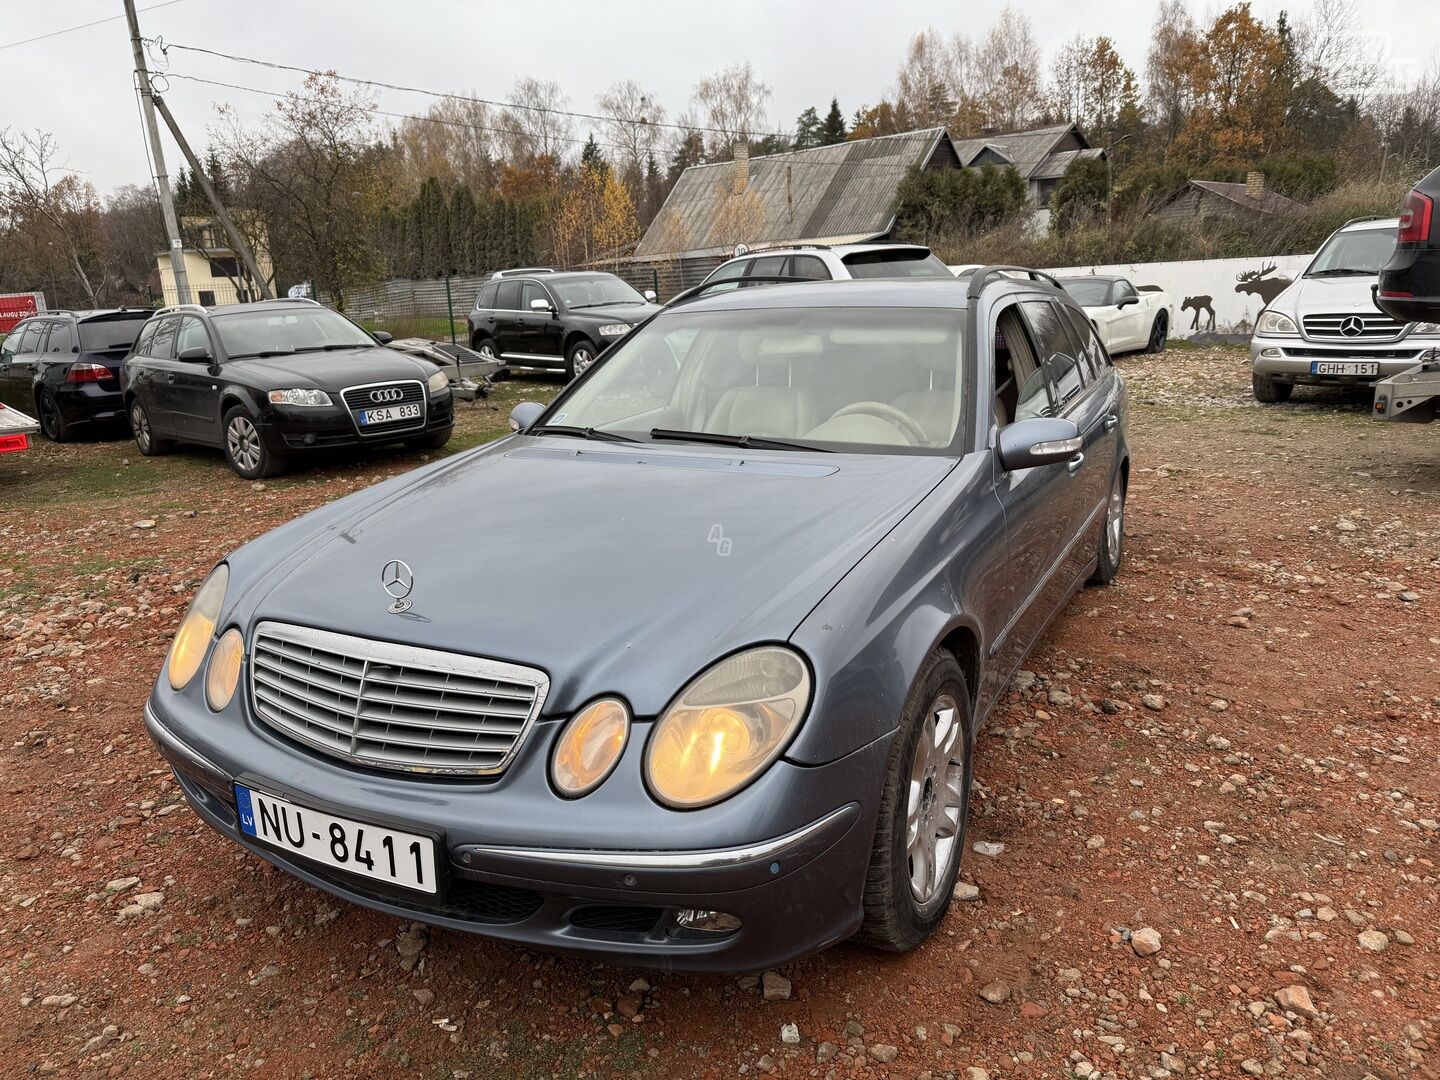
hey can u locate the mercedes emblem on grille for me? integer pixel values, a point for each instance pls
(393, 393)
(1352, 326)
(397, 580)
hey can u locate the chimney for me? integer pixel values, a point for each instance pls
(1255, 184)
(741, 178)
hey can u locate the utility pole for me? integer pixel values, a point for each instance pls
(237, 241)
(162, 181)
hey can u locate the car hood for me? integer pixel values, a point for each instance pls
(630, 313)
(331, 370)
(614, 570)
(1318, 296)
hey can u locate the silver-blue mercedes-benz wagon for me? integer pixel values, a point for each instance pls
(775, 556)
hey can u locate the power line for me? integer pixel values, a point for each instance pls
(83, 26)
(165, 46)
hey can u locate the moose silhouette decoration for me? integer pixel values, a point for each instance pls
(1256, 283)
(1199, 304)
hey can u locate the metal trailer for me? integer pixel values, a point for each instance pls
(15, 430)
(1411, 397)
(470, 373)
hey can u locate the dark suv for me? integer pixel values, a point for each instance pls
(65, 367)
(559, 321)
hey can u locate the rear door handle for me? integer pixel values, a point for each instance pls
(1112, 422)
(1073, 465)
(170, 378)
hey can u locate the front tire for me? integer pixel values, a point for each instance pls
(1159, 334)
(578, 357)
(146, 441)
(1268, 391)
(245, 450)
(920, 832)
(52, 421)
(1112, 536)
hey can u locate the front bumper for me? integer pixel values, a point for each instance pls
(1294, 359)
(290, 428)
(795, 890)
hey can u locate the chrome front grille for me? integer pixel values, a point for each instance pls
(392, 706)
(384, 395)
(1352, 326)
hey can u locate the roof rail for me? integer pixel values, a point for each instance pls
(696, 290)
(781, 247)
(172, 308)
(56, 311)
(980, 278)
(295, 300)
(520, 271)
(1366, 217)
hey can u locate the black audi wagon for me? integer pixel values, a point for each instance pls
(267, 382)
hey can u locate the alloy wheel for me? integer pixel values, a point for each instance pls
(49, 417)
(243, 442)
(936, 799)
(140, 424)
(583, 358)
(487, 351)
(1115, 519)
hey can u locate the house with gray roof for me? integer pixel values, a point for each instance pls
(1214, 198)
(1040, 155)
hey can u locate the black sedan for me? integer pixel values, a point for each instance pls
(828, 535)
(269, 381)
(64, 366)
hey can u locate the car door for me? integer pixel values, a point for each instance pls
(1096, 412)
(808, 267)
(25, 361)
(194, 386)
(509, 332)
(1131, 330)
(8, 348)
(1031, 498)
(163, 372)
(540, 333)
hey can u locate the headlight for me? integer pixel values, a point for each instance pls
(187, 652)
(727, 726)
(1429, 329)
(299, 397)
(590, 747)
(223, 674)
(1272, 322)
(614, 329)
(438, 382)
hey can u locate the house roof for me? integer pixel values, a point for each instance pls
(1270, 202)
(843, 193)
(1054, 165)
(1027, 149)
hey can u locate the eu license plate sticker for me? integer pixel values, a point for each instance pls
(1344, 367)
(357, 847)
(387, 415)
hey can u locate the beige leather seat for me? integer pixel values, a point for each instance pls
(933, 408)
(772, 406)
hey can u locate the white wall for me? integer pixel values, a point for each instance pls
(1207, 281)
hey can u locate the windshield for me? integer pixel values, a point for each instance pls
(1363, 252)
(895, 263)
(877, 380)
(597, 291)
(1088, 292)
(105, 335)
(270, 331)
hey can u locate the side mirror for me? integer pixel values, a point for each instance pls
(382, 337)
(540, 304)
(527, 412)
(1043, 440)
(650, 295)
(197, 354)
(1128, 301)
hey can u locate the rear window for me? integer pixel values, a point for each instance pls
(896, 264)
(103, 335)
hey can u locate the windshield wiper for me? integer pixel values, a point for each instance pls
(759, 442)
(602, 303)
(1337, 271)
(331, 347)
(262, 354)
(599, 434)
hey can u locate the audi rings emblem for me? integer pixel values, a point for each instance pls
(397, 580)
(392, 393)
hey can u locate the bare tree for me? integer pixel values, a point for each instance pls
(55, 207)
(1070, 75)
(133, 232)
(1009, 70)
(633, 116)
(1168, 82)
(536, 124)
(925, 84)
(1332, 47)
(732, 104)
(455, 141)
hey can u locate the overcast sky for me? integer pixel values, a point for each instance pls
(806, 50)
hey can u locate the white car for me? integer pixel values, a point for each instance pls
(1126, 318)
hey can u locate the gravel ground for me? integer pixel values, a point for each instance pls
(1204, 832)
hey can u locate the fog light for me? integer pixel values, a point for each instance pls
(714, 922)
(309, 438)
(590, 747)
(1271, 354)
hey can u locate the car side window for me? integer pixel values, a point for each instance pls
(730, 271)
(192, 336)
(808, 267)
(11, 345)
(1123, 291)
(163, 348)
(1090, 348)
(30, 339)
(61, 339)
(768, 266)
(1056, 348)
(1021, 391)
(507, 297)
(530, 291)
(487, 296)
(147, 335)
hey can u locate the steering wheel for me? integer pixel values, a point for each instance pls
(881, 411)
